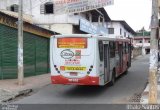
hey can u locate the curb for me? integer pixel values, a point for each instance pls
(144, 96)
(9, 95)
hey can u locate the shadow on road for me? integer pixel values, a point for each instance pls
(89, 91)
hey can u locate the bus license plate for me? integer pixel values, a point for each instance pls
(73, 73)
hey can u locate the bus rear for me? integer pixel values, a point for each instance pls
(72, 60)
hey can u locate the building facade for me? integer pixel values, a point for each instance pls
(42, 13)
(120, 29)
(142, 40)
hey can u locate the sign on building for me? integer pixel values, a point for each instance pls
(90, 28)
(75, 6)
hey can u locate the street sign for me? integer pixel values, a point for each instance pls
(88, 27)
(76, 6)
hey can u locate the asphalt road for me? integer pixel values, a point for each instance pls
(126, 90)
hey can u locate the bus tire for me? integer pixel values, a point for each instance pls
(126, 72)
(112, 82)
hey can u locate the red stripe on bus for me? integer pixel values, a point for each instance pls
(88, 80)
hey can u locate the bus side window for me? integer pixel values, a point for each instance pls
(100, 45)
(112, 49)
(127, 48)
(124, 48)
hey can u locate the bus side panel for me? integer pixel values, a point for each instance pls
(51, 55)
(125, 58)
(53, 72)
(117, 58)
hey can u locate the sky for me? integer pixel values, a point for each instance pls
(137, 13)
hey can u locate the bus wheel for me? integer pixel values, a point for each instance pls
(112, 82)
(126, 72)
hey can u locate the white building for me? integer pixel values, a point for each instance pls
(42, 13)
(120, 29)
(95, 21)
(142, 40)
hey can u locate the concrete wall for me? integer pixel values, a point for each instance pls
(136, 52)
(32, 7)
(63, 28)
(4, 4)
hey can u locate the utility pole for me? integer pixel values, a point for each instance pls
(153, 54)
(20, 44)
(143, 49)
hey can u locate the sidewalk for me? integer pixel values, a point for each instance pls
(9, 89)
(145, 94)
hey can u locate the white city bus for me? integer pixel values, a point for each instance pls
(83, 59)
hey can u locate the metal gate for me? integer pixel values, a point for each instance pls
(8, 37)
(36, 53)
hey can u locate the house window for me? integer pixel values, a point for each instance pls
(110, 30)
(101, 20)
(47, 8)
(89, 17)
(124, 34)
(120, 31)
(149, 41)
(140, 41)
(14, 8)
(76, 13)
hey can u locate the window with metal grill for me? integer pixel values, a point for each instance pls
(120, 31)
(110, 30)
(125, 34)
(47, 8)
(14, 8)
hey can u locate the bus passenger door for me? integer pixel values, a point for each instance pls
(106, 63)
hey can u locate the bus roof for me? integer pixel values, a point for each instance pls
(72, 35)
(102, 37)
